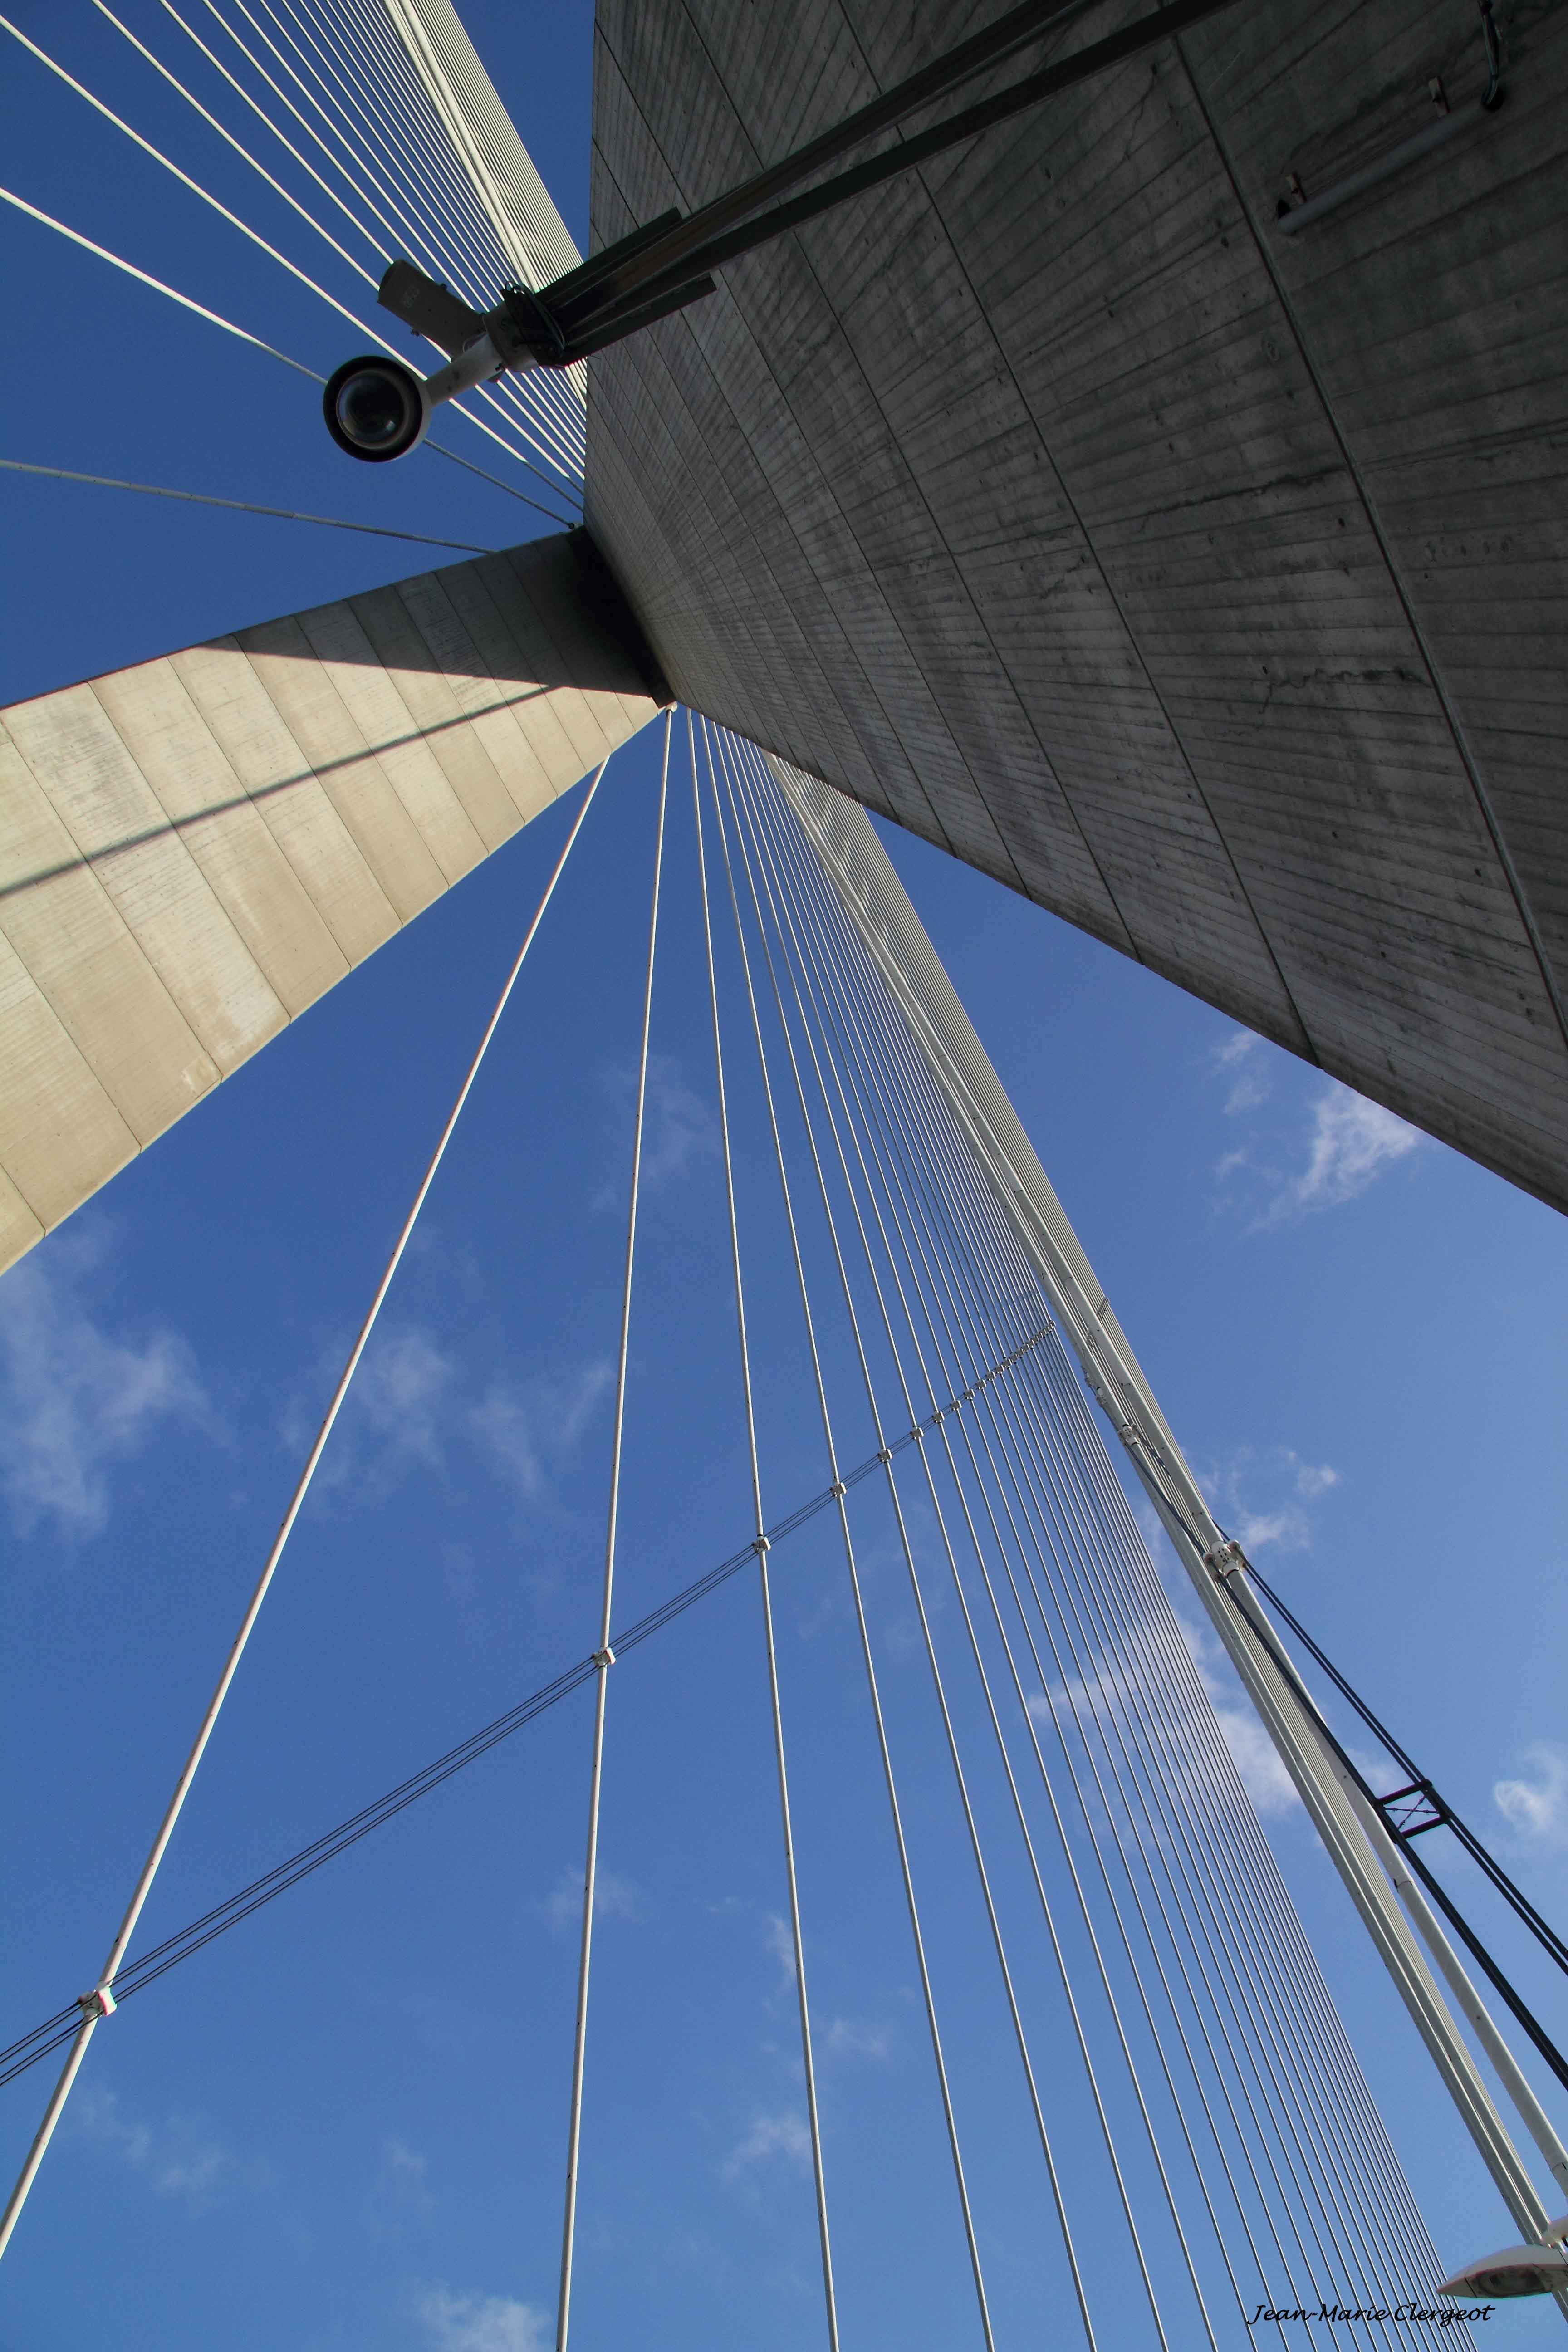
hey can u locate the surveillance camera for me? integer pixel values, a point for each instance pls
(376, 408)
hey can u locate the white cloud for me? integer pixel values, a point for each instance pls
(678, 1128)
(781, 1944)
(1538, 1809)
(392, 1420)
(1254, 1754)
(175, 2160)
(74, 1400)
(1115, 1692)
(1250, 1089)
(482, 2322)
(844, 2039)
(524, 1429)
(398, 1390)
(1352, 1142)
(768, 2136)
(1252, 1082)
(613, 1898)
(1246, 1497)
(679, 1125)
(403, 2171)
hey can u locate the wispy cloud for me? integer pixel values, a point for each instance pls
(526, 1429)
(176, 2158)
(613, 1898)
(399, 1392)
(846, 2038)
(1254, 1754)
(402, 2175)
(770, 2137)
(1260, 1495)
(1244, 1054)
(781, 1944)
(1113, 1690)
(392, 1421)
(75, 1399)
(1537, 1808)
(679, 1128)
(1352, 1142)
(481, 2323)
(1311, 1153)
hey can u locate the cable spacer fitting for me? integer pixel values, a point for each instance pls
(1225, 1559)
(885, 1454)
(99, 2002)
(839, 1488)
(604, 1657)
(759, 1544)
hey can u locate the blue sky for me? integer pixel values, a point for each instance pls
(342, 2124)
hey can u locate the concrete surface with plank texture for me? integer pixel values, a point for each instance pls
(1202, 583)
(194, 850)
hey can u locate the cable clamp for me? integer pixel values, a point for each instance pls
(884, 1454)
(604, 1657)
(759, 1544)
(1224, 1560)
(99, 2002)
(839, 1488)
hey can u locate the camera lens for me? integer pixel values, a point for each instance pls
(374, 408)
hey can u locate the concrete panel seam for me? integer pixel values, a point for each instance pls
(1375, 524)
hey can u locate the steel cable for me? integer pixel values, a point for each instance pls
(884, 1749)
(797, 1937)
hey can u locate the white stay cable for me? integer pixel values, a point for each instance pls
(876, 1063)
(258, 241)
(227, 136)
(157, 285)
(531, 398)
(890, 1779)
(100, 2002)
(880, 1062)
(816, 1019)
(354, 177)
(1264, 1972)
(928, 1159)
(930, 1272)
(807, 2057)
(266, 119)
(505, 394)
(243, 335)
(876, 1066)
(1331, 2074)
(184, 177)
(603, 1657)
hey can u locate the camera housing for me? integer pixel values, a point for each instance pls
(376, 409)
